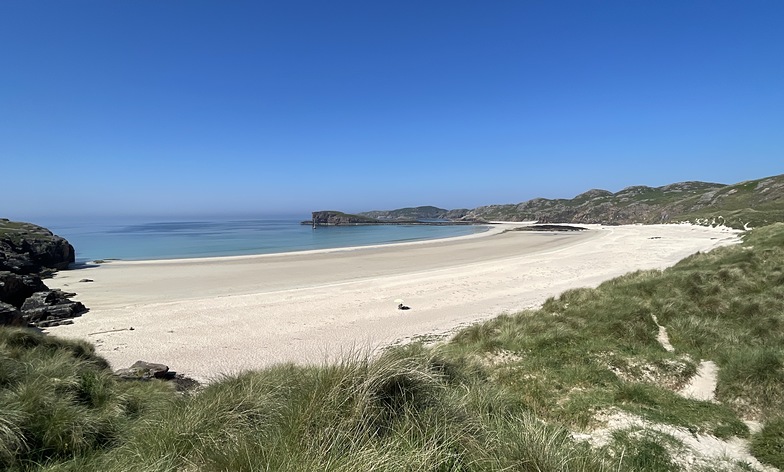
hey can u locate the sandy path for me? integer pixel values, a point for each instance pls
(209, 316)
(702, 385)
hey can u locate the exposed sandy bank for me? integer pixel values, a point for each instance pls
(222, 315)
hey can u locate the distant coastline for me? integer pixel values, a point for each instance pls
(338, 218)
(402, 223)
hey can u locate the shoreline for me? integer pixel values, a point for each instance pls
(82, 262)
(207, 317)
(500, 226)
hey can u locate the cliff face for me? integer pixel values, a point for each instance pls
(28, 251)
(26, 248)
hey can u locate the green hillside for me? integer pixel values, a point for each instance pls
(745, 204)
(753, 203)
(412, 213)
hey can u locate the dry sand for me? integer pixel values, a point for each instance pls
(205, 317)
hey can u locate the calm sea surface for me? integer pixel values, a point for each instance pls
(138, 240)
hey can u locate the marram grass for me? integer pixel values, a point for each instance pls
(500, 396)
(406, 410)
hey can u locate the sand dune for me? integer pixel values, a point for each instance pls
(203, 317)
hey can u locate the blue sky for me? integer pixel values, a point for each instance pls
(177, 108)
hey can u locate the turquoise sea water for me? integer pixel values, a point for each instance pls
(140, 239)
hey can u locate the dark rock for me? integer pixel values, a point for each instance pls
(40, 300)
(26, 248)
(86, 280)
(558, 228)
(27, 253)
(50, 323)
(41, 308)
(16, 288)
(184, 384)
(10, 316)
(141, 370)
(144, 371)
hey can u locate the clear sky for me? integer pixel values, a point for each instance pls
(257, 107)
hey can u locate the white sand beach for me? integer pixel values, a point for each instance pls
(205, 317)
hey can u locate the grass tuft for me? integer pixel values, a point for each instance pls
(768, 444)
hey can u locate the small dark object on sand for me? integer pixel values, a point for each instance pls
(403, 307)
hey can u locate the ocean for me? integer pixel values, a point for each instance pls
(141, 239)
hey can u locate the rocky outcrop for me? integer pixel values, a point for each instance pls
(420, 213)
(51, 308)
(33, 301)
(144, 371)
(27, 252)
(550, 228)
(337, 218)
(10, 315)
(395, 217)
(26, 248)
(16, 288)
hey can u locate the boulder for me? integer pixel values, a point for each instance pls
(141, 370)
(50, 308)
(16, 288)
(145, 371)
(10, 316)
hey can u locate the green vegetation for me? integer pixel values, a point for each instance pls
(503, 395)
(644, 450)
(768, 444)
(756, 203)
(12, 230)
(333, 217)
(409, 213)
(407, 410)
(59, 401)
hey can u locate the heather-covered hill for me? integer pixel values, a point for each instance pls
(755, 202)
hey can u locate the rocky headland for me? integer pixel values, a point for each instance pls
(417, 214)
(338, 218)
(29, 253)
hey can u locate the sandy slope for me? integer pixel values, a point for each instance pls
(203, 317)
